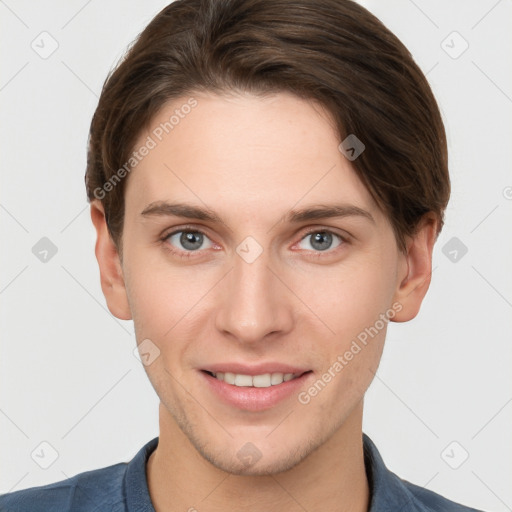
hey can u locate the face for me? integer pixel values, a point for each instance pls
(262, 287)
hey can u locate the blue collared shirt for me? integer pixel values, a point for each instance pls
(123, 488)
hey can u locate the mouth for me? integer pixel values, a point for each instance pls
(254, 393)
(264, 380)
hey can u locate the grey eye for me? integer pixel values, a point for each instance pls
(189, 240)
(321, 240)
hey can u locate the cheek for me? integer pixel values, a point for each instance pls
(168, 307)
(349, 298)
(158, 297)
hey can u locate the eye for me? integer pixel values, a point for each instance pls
(321, 240)
(187, 241)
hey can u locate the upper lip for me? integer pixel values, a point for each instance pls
(256, 369)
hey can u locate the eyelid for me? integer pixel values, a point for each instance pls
(177, 229)
(325, 229)
(180, 253)
(344, 239)
(186, 228)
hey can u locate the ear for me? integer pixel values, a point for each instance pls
(111, 273)
(417, 269)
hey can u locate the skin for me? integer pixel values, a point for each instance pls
(252, 160)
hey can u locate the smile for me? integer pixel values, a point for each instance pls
(257, 392)
(264, 380)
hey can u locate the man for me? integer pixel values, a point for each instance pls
(267, 180)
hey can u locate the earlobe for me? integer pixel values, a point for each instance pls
(417, 265)
(111, 274)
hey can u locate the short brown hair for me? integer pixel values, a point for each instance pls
(332, 51)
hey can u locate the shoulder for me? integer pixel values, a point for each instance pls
(91, 491)
(429, 501)
(389, 492)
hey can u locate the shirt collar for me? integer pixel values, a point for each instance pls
(387, 491)
(135, 481)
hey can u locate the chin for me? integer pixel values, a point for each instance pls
(271, 466)
(260, 458)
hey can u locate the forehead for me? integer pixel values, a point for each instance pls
(243, 152)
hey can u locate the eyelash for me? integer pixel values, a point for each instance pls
(192, 229)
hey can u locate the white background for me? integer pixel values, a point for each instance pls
(68, 374)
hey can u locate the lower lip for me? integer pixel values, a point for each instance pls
(255, 399)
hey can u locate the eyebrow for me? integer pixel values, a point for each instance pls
(165, 209)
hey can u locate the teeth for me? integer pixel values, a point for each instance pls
(228, 377)
(258, 381)
(277, 378)
(264, 381)
(243, 380)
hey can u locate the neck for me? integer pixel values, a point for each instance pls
(333, 477)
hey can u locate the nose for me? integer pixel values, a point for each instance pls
(254, 301)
